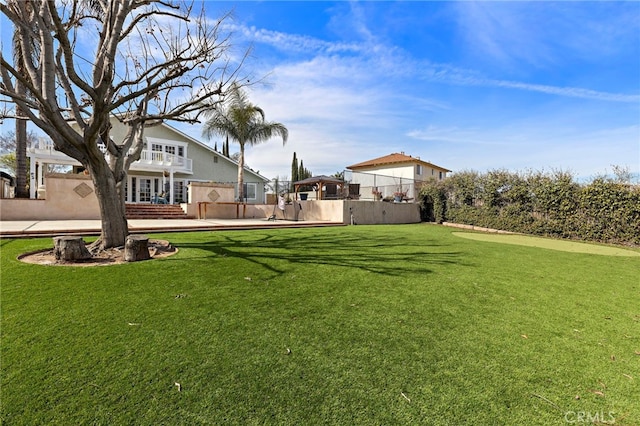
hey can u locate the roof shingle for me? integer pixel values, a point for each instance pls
(394, 158)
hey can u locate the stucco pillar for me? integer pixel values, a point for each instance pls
(40, 174)
(171, 192)
(32, 178)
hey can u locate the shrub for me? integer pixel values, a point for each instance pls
(432, 199)
(539, 203)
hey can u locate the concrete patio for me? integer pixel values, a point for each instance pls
(44, 228)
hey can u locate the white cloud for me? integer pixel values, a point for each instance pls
(519, 35)
(359, 98)
(572, 92)
(292, 42)
(342, 109)
(454, 135)
(528, 145)
(503, 32)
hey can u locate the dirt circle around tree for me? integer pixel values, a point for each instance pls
(158, 249)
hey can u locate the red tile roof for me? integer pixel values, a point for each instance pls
(395, 158)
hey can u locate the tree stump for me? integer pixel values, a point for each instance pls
(70, 248)
(136, 248)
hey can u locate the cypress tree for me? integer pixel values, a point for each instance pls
(294, 171)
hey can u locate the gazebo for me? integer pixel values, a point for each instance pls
(318, 181)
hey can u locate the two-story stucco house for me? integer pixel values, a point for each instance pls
(170, 160)
(396, 172)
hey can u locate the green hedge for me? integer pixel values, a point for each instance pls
(552, 204)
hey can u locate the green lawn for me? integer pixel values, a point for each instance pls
(404, 324)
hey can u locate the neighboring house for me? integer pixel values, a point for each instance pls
(397, 172)
(170, 160)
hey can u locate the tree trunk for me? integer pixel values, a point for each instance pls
(241, 173)
(70, 248)
(112, 209)
(21, 124)
(21, 155)
(136, 248)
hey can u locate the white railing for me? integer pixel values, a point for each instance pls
(163, 159)
(154, 159)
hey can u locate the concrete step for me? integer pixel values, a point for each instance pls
(155, 211)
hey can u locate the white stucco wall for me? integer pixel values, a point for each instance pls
(62, 200)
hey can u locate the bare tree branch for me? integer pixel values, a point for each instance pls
(153, 61)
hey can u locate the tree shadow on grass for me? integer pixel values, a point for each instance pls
(392, 255)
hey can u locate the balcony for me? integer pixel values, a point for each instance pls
(154, 161)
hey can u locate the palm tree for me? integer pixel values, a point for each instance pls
(242, 122)
(19, 35)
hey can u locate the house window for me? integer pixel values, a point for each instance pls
(250, 190)
(179, 191)
(215, 159)
(440, 175)
(170, 149)
(419, 169)
(156, 152)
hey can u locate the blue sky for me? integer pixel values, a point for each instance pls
(464, 85)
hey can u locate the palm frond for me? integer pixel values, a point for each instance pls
(266, 130)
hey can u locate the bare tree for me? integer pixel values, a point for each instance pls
(10, 145)
(142, 61)
(8, 140)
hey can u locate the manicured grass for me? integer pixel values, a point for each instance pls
(404, 324)
(549, 243)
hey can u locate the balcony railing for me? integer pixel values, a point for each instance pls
(149, 160)
(163, 159)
